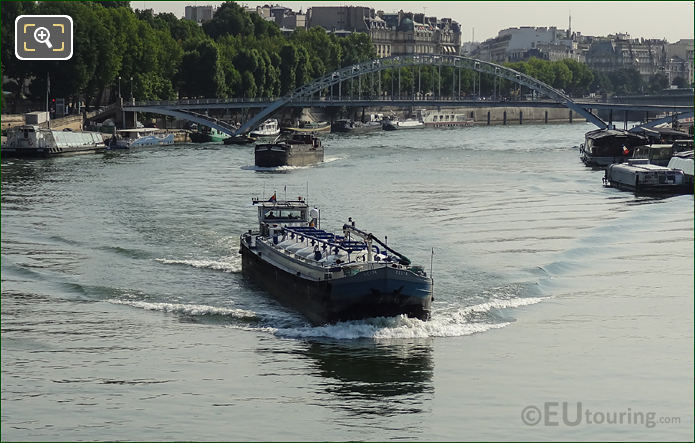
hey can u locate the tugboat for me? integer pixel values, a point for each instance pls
(297, 150)
(329, 277)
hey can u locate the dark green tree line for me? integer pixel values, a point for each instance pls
(158, 56)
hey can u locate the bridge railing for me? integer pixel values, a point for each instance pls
(204, 101)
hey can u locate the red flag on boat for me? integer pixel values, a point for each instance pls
(273, 198)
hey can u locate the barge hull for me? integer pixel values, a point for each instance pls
(273, 157)
(373, 294)
(48, 152)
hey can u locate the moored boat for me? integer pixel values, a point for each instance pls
(207, 135)
(661, 135)
(136, 138)
(640, 176)
(329, 277)
(393, 124)
(655, 154)
(308, 128)
(297, 150)
(441, 119)
(354, 127)
(269, 128)
(239, 140)
(684, 161)
(34, 141)
(603, 147)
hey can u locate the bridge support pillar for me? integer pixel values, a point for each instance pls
(504, 118)
(570, 116)
(488, 118)
(625, 121)
(521, 117)
(546, 117)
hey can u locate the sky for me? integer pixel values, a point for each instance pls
(672, 20)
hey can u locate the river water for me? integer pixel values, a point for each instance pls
(559, 304)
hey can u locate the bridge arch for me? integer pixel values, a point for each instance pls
(401, 61)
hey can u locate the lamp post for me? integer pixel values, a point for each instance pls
(132, 98)
(120, 103)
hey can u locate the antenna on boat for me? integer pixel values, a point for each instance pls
(307, 192)
(285, 192)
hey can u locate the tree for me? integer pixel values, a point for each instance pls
(356, 47)
(680, 82)
(12, 68)
(658, 82)
(582, 77)
(288, 65)
(562, 75)
(230, 18)
(626, 81)
(541, 70)
(602, 83)
(201, 74)
(248, 84)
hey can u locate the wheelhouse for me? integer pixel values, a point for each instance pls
(274, 215)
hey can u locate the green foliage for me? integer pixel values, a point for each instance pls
(573, 77)
(658, 83)
(626, 81)
(680, 82)
(355, 48)
(229, 19)
(238, 54)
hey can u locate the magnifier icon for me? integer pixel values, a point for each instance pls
(42, 35)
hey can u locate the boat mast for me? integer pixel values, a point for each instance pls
(431, 262)
(48, 89)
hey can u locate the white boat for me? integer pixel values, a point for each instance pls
(393, 124)
(640, 176)
(684, 161)
(410, 123)
(268, 128)
(34, 141)
(135, 138)
(440, 119)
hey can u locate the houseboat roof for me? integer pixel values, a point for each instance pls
(655, 132)
(614, 133)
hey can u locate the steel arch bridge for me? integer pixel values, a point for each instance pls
(401, 61)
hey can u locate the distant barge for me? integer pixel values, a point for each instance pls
(298, 150)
